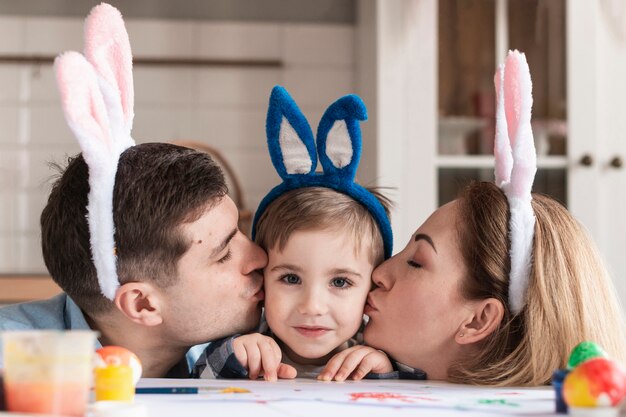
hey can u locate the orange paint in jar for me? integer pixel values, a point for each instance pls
(62, 398)
(48, 371)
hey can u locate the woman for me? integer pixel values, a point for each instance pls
(495, 287)
(442, 304)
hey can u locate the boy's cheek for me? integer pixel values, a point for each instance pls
(275, 299)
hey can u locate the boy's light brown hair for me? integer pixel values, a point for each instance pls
(320, 208)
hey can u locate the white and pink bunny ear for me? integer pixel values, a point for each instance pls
(97, 98)
(82, 102)
(86, 116)
(502, 144)
(107, 47)
(516, 165)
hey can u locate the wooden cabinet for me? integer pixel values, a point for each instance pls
(427, 77)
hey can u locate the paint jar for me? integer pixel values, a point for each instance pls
(2, 406)
(48, 372)
(557, 382)
(116, 373)
(114, 383)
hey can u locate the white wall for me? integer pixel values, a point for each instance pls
(596, 86)
(397, 77)
(224, 107)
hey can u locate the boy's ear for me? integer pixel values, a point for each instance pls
(486, 316)
(140, 303)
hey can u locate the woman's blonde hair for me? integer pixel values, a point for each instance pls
(320, 208)
(570, 295)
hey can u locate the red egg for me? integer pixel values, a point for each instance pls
(597, 382)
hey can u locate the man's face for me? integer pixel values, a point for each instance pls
(220, 286)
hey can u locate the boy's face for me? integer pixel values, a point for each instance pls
(219, 286)
(315, 292)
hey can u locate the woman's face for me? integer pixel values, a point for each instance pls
(417, 310)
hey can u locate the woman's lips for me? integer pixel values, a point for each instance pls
(369, 306)
(312, 331)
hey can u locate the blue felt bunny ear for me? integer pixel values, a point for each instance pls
(289, 136)
(339, 137)
(293, 152)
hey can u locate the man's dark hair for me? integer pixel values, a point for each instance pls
(158, 187)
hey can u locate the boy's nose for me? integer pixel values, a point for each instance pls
(313, 303)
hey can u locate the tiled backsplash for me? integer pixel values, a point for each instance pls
(221, 106)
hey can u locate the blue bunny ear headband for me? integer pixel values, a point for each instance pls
(294, 153)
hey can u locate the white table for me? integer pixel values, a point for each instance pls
(302, 397)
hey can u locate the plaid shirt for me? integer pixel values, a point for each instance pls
(221, 361)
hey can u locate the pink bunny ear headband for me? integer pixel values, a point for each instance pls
(516, 165)
(97, 97)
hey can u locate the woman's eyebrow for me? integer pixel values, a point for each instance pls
(422, 236)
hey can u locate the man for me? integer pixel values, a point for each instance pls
(187, 275)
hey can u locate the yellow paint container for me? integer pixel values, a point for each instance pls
(114, 383)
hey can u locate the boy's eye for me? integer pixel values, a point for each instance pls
(290, 279)
(340, 283)
(225, 257)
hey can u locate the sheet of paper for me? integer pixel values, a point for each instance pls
(302, 397)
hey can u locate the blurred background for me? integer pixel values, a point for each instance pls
(204, 69)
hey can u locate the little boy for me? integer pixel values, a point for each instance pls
(324, 235)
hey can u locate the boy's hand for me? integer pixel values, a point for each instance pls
(355, 362)
(261, 355)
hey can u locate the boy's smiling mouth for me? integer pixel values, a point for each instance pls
(312, 331)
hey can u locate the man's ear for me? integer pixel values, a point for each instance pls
(486, 316)
(140, 302)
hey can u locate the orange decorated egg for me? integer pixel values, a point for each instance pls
(119, 356)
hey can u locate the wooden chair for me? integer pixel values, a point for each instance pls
(21, 288)
(235, 189)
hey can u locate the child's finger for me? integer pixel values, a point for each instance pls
(381, 363)
(254, 360)
(269, 361)
(286, 371)
(240, 353)
(371, 360)
(333, 365)
(277, 352)
(350, 363)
